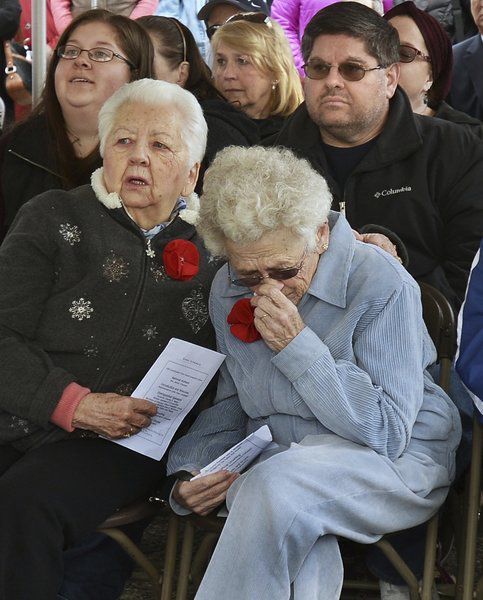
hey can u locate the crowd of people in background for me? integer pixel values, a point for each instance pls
(376, 106)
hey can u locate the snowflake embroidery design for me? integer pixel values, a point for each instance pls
(150, 332)
(115, 268)
(81, 309)
(158, 272)
(70, 233)
(195, 310)
(19, 423)
(91, 351)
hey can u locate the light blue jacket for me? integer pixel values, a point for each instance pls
(357, 369)
(186, 11)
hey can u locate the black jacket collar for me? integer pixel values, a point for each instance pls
(399, 138)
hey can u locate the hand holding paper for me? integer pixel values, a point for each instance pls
(236, 459)
(208, 489)
(174, 383)
(203, 495)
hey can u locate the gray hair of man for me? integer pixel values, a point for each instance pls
(248, 192)
(163, 95)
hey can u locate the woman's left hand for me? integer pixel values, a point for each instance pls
(276, 316)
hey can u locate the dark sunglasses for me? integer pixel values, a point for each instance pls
(278, 274)
(407, 54)
(251, 17)
(102, 55)
(317, 69)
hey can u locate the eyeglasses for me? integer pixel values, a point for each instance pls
(70, 52)
(316, 69)
(251, 17)
(407, 54)
(278, 274)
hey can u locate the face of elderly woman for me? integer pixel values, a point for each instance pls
(82, 82)
(415, 78)
(279, 249)
(242, 84)
(146, 162)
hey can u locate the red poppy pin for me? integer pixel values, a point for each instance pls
(241, 321)
(181, 259)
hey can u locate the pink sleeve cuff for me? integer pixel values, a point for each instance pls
(65, 409)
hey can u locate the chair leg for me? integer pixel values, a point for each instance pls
(185, 563)
(401, 567)
(139, 557)
(465, 587)
(202, 557)
(170, 558)
(430, 558)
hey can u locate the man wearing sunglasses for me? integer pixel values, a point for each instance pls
(216, 12)
(419, 178)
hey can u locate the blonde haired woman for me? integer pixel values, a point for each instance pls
(254, 69)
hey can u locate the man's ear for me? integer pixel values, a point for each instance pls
(183, 73)
(392, 78)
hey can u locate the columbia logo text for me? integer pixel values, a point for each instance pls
(392, 191)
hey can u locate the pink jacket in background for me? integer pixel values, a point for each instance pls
(62, 9)
(294, 15)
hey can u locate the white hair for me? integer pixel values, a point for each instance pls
(248, 192)
(162, 94)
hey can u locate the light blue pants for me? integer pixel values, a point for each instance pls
(279, 540)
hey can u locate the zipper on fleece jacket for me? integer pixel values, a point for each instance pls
(32, 162)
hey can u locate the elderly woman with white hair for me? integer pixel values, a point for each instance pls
(325, 344)
(93, 284)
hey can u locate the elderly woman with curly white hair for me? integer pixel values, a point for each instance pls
(94, 282)
(326, 345)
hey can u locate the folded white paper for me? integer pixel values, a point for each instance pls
(240, 456)
(174, 383)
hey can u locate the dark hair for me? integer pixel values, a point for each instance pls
(136, 47)
(439, 48)
(174, 38)
(357, 21)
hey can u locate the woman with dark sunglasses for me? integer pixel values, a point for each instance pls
(325, 345)
(426, 60)
(57, 146)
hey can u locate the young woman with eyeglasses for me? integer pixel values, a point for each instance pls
(426, 60)
(254, 69)
(178, 60)
(57, 146)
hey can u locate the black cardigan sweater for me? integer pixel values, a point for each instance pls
(81, 300)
